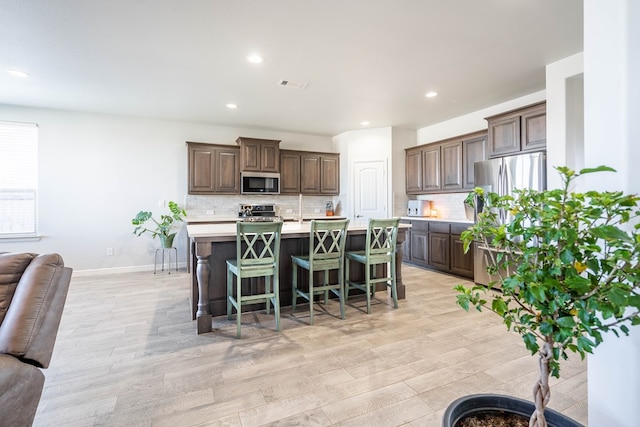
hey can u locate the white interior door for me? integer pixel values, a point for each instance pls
(370, 190)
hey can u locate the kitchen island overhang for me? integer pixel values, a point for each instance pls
(213, 244)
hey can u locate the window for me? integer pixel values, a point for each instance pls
(18, 179)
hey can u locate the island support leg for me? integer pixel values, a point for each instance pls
(203, 271)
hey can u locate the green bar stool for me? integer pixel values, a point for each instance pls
(326, 252)
(257, 255)
(380, 249)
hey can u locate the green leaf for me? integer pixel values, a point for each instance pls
(566, 322)
(601, 168)
(609, 232)
(538, 292)
(499, 306)
(580, 285)
(617, 296)
(566, 256)
(585, 344)
(530, 342)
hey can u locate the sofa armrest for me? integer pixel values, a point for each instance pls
(31, 323)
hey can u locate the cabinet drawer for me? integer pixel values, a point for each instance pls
(419, 225)
(439, 227)
(459, 228)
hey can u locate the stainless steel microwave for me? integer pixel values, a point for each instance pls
(259, 183)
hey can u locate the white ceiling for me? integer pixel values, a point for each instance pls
(362, 59)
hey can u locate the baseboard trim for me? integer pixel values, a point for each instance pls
(182, 267)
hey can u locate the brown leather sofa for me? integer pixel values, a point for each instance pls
(33, 290)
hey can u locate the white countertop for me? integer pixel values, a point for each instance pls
(428, 218)
(199, 219)
(222, 230)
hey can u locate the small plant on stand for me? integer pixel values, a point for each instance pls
(567, 267)
(163, 229)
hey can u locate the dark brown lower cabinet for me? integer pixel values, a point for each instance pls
(439, 256)
(439, 249)
(437, 245)
(461, 263)
(419, 243)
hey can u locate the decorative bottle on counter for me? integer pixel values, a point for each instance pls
(329, 209)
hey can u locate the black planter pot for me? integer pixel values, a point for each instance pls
(483, 403)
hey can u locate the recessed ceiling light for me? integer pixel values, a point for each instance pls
(17, 73)
(364, 123)
(232, 106)
(431, 94)
(255, 58)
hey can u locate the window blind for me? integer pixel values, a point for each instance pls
(18, 179)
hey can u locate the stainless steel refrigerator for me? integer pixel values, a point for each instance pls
(502, 176)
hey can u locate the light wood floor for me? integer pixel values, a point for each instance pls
(127, 355)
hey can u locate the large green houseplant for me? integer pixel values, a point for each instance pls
(567, 267)
(163, 229)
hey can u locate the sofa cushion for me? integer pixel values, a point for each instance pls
(12, 265)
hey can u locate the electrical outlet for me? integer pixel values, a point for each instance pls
(289, 210)
(161, 203)
(210, 212)
(316, 210)
(109, 251)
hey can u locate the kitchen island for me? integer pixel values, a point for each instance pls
(214, 244)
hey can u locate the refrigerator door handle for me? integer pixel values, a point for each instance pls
(505, 189)
(501, 190)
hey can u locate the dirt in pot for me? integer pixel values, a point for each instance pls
(493, 419)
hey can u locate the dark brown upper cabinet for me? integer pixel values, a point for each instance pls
(213, 169)
(305, 172)
(474, 149)
(444, 166)
(259, 155)
(516, 131)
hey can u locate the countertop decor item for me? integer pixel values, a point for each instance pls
(567, 266)
(163, 229)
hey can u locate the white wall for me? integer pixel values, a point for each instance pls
(474, 121)
(401, 139)
(565, 116)
(612, 108)
(364, 145)
(97, 171)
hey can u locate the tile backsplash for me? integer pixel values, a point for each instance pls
(447, 205)
(286, 206)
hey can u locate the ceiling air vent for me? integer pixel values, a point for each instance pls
(292, 84)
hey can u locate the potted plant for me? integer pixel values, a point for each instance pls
(566, 264)
(163, 228)
(469, 203)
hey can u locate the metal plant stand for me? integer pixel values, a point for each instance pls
(162, 251)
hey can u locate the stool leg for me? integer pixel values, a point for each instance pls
(229, 292)
(294, 287)
(239, 302)
(341, 295)
(276, 302)
(367, 280)
(394, 288)
(311, 299)
(346, 280)
(326, 282)
(267, 290)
